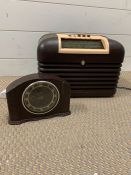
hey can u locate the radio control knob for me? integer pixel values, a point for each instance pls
(83, 62)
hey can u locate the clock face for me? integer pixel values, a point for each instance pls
(40, 97)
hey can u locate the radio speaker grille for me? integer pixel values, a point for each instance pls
(90, 80)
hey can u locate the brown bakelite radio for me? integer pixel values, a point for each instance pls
(91, 64)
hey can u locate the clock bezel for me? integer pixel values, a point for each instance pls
(41, 82)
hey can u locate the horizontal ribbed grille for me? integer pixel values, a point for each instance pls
(89, 76)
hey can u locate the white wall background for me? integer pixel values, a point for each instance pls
(23, 22)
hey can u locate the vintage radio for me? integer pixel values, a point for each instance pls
(91, 64)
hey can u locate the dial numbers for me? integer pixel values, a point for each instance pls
(40, 97)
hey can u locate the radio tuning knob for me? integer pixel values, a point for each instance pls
(83, 62)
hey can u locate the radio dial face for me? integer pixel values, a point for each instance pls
(82, 44)
(40, 97)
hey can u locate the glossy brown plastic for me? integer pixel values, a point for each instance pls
(18, 114)
(98, 77)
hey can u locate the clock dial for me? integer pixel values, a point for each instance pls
(40, 97)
